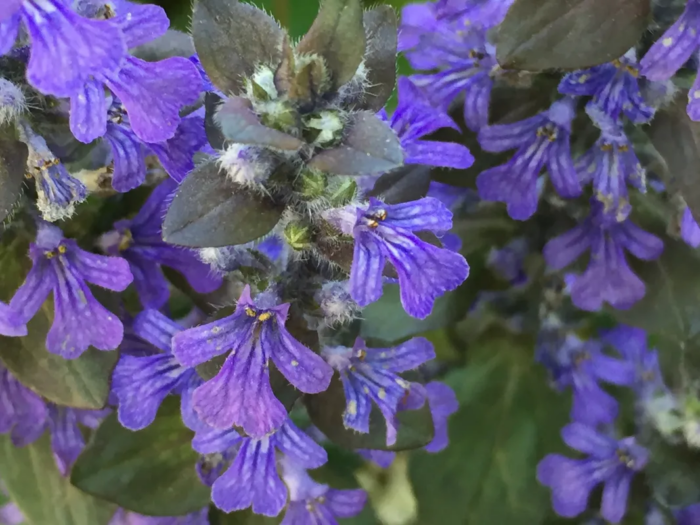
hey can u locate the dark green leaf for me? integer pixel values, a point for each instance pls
(215, 136)
(369, 147)
(677, 139)
(209, 211)
(326, 412)
(13, 165)
(172, 44)
(338, 36)
(42, 494)
(508, 420)
(569, 34)
(380, 61)
(151, 472)
(82, 382)
(241, 125)
(405, 184)
(232, 38)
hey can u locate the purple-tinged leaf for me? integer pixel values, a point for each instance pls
(370, 147)
(408, 183)
(13, 164)
(381, 32)
(233, 38)
(215, 136)
(211, 211)
(569, 34)
(338, 36)
(239, 124)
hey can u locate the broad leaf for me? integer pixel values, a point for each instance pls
(239, 124)
(370, 147)
(508, 420)
(405, 184)
(233, 38)
(172, 44)
(42, 494)
(677, 140)
(210, 211)
(338, 36)
(13, 165)
(326, 411)
(569, 34)
(150, 472)
(381, 30)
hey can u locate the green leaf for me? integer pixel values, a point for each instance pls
(508, 420)
(326, 412)
(233, 38)
(338, 36)
(42, 494)
(381, 30)
(677, 139)
(210, 211)
(569, 34)
(151, 472)
(239, 124)
(370, 147)
(13, 164)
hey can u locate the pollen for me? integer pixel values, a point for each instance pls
(696, 93)
(372, 223)
(49, 255)
(352, 408)
(382, 393)
(361, 354)
(295, 363)
(216, 330)
(667, 41)
(264, 316)
(582, 79)
(61, 249)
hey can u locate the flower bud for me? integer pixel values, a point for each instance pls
(12, 101)
(297, 236)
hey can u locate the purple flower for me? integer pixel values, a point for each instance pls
(123, 517)
(67, 49)
(312, 503)
(689, 515)
(23, 414)
(142, 383)
(608, 277)
(129, 152)
(67, 440)
(509, 262)
(580, 365)
(482, 13)
(611, 164)
(152, 93)
(384, 231)
(614, 88)
(9, 325)
(414, 118)
(252, 479)
(11, 515)
(443, 403)
(61, 267)
(57, 191)
(690, 231)
(381, 458)
(673, 50)
(465, 62)
(140, 242)
(241, 394)
(631, 343)
(542, 139)
(371, 374)
(611, 462)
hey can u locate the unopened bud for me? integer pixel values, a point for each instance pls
(12, 101)
(325, 128)
(313, 184)
(297, 235)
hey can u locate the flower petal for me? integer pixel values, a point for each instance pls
(615, 493)
(112, 273)
(366, 271)
(198, 345)
(129, 158)
(88, 112)
(299, 446)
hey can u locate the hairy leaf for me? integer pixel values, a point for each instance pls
(381, 30)
(172, 44)
(13, 164)
(677, 139)
(370, 147)
(150, 471)
(232, 38)
(338, 36)
(326, 412)
(508, 420)
(210, 211)
(241, 125)
(569, 34)
(42, 494)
